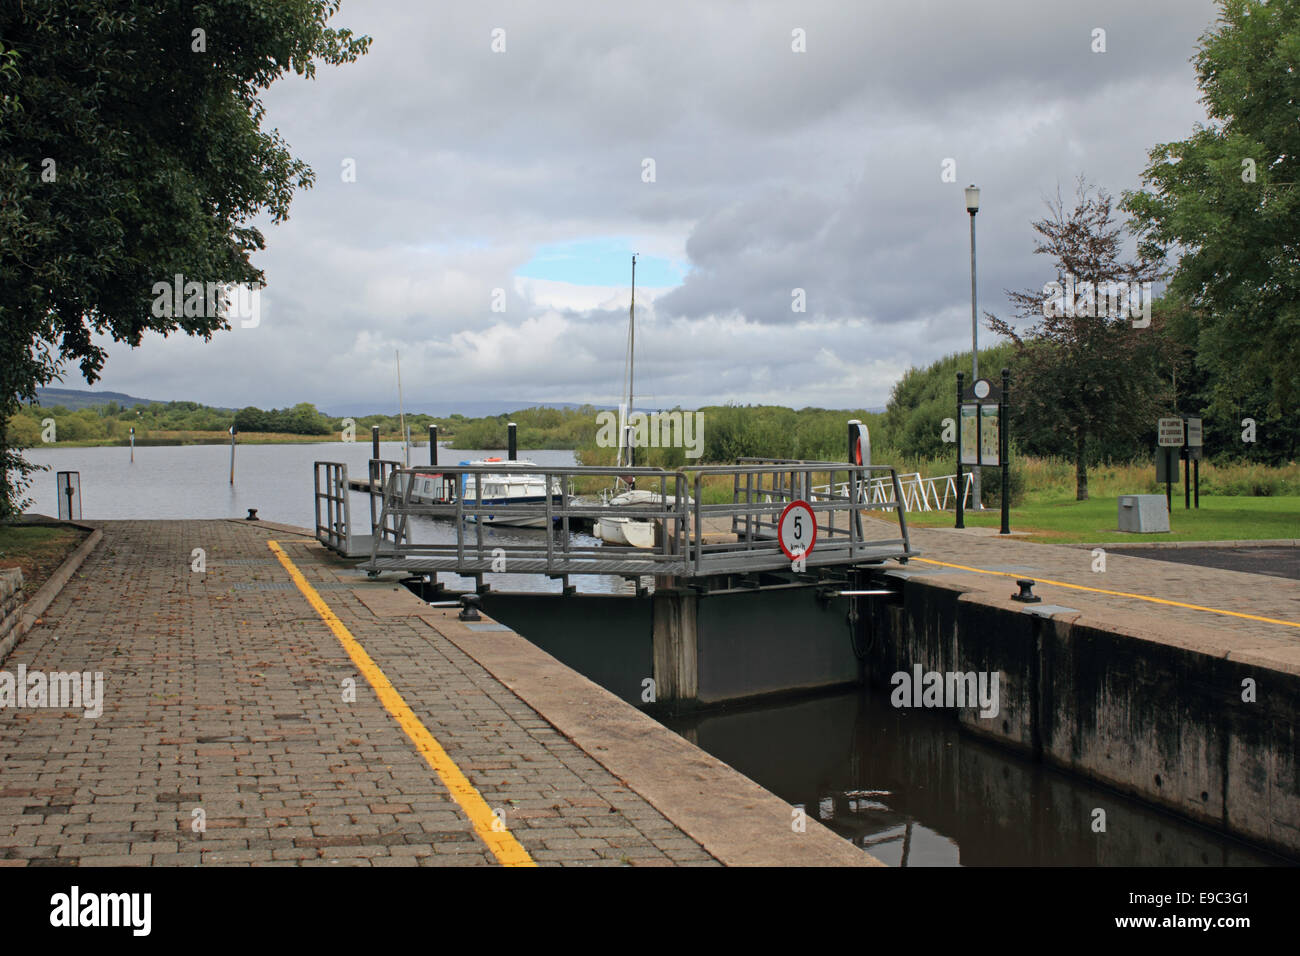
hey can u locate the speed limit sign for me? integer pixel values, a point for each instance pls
(796, 531)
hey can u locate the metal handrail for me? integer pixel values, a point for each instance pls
(915, 492)
(683, 543)
(380, 470)
(471, 554)
(334, 531)
(762, 506)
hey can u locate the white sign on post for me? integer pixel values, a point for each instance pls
(1195, 435)
(1170, 431)
(797, 530)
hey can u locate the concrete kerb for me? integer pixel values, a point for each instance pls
(35, 606)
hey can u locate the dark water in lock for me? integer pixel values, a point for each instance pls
(907, 786)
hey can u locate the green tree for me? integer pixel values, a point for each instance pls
(24, 431)
(1085, 374)
(924, 397)
(252, 419)
(1226, 202)
(131, 150)
(303, 419)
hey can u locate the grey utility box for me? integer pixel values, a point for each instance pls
(1145, 514)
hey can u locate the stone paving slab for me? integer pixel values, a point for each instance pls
(228, 700)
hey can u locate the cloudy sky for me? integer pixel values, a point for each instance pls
(524, 171)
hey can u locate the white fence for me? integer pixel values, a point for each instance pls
(918, 493)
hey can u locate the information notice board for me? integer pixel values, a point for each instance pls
(981, 436)
(970, 434)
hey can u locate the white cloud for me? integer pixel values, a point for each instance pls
(775, 170)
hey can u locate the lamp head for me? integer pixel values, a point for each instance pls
(972, 199)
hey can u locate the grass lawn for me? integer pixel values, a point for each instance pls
(1066, 521)
(38, 550)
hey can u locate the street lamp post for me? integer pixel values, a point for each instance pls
(972, 207)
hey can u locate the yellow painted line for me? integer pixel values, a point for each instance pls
(502, 843)
(1127, 594)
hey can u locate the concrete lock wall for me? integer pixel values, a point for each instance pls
(606, 638)
(1162, 722)
(699, 648)
(767, 642)
(715, 648)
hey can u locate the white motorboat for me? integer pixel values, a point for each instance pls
(513, 485)
(428, 487)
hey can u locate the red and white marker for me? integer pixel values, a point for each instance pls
(796, 531)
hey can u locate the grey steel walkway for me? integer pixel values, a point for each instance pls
(688, 543)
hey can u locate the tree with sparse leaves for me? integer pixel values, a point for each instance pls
(132, 150)
(1087, 374)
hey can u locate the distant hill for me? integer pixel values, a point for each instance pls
(77, 398)
(74, 399)
(445, 409)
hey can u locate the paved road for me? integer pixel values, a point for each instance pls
(1279, 562)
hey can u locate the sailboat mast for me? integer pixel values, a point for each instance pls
(625, 411)
(401, 413)
(631, 359)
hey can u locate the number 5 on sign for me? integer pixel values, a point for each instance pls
(797, 529)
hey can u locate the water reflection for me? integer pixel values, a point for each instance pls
(911, 789)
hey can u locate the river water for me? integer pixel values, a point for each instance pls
(193, 481)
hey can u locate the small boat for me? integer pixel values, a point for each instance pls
(429, 488)
(513, 485)
(613, 528)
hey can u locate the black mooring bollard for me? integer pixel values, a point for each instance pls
(512, 444)
(1026, 592)
(470, 603)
